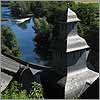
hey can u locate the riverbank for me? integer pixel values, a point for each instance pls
(24, 34)
(3, 19)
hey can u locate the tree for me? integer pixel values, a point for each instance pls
(9, 43)
(20, 8)
(43, 30)
(15, 8)
(89, 27)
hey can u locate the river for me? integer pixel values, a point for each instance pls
(25, 35)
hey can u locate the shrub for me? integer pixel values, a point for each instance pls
(17, 91)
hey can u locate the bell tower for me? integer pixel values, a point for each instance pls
(69, 56)
(77, 50)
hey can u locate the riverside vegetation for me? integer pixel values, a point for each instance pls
(9, 43)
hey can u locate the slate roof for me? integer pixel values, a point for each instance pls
(76, 86)
(9, 64)
(5, 80)
(8, 68)
(92, 92)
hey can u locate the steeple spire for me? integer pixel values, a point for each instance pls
(71, 16)
(74, 41)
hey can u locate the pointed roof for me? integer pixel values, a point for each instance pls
(75, 43)
(71, 16)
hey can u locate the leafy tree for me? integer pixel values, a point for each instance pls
(42, 25)
(88, 13)
(9, 43)
(44, 31)
(20, 8)
(37, 25)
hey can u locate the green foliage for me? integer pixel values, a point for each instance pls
(37, 23)
(42, 26)
(89, 26)
(9, 43)
(20, 8)
(54, 10)
(14, 8)
(88, 13)
(44, 30)
(14, 92)
(17, 91)
(36, 91)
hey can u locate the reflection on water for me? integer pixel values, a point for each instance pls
(44, 54)
(5, 12)
(24, 24)
(25, 35)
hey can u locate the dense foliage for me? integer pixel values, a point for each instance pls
(44, 30)
(55, 11)
(9, 43)
(88, 13)
(88, 27)
(20, 8)
(17, 91)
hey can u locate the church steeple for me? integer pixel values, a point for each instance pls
(74, 41)
(67, 40)
(76, 59)
(72, 20)
(71, 16)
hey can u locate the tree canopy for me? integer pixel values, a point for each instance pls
(53, 11)
(9, 43)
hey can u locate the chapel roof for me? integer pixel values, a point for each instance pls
(74, 41)
(71, 16)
